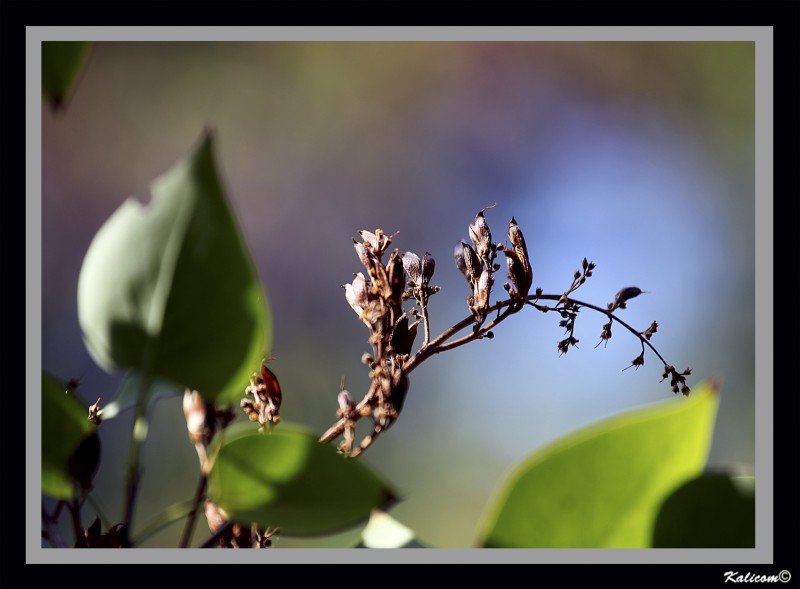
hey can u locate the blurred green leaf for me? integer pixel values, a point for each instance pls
(602, 486)
(287, 479)
(65, 424)
(62, 61)
(383, 531)
(715, 510)
(169, 289)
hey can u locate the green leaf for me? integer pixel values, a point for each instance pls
(287, 479)
(383, 531)
(62, 61)
(169, 289)
(712, 511)
(65, 424)
(601, 487)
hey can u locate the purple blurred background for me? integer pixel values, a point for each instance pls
(639, 156)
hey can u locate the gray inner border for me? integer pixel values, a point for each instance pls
(761, 36)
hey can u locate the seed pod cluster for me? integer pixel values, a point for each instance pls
(377, 297)
(476, 263)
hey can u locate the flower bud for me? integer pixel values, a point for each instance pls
(194, 409)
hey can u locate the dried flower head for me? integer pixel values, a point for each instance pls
(95, 413)
(264, 398)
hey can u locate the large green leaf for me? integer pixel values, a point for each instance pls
(62, 61)
(716, 510)
(601, 487)
(65, 424)
(169, 289)
(287, 479)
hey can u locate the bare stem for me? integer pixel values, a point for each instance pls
(444, 342)
(439, 344)
(435, 346)
(426, 322)
(50, 526)
(188, 528)
(138, 434)
(75, 512)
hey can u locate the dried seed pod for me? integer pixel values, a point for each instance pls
(399, 335)
(458, 256)
(519, 273)
(370, 239)
(623, 296)
(428, 265)
(377, 241)
(467, 261)
(515, 235)
(483, 287)
(481, 237)
(367, 258)
(357, 294)
(413, 267)
(397, 278)
(403, 335)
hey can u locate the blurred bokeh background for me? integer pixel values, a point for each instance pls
(639, 156)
